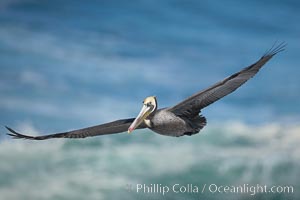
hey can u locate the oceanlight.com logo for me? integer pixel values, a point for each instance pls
(249, 189)
(208, 188)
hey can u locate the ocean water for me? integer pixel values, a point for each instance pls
(71, 64)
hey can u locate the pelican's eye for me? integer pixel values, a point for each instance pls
(149, 104)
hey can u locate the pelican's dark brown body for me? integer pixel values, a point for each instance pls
(165, 122)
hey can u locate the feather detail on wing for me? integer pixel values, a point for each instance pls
(193, 105)
(103, 129)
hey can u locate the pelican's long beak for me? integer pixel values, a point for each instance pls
(140, 118)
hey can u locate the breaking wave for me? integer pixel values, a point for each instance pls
(100, 168)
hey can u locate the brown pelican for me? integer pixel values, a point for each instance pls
(181, 119)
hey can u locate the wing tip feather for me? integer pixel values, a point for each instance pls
(275, 49)
(16, 135)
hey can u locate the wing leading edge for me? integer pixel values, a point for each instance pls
(193, 105)
(103, 129)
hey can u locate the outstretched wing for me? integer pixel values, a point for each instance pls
(192, 105)
(103, 129)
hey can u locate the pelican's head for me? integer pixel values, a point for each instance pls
(149, 106)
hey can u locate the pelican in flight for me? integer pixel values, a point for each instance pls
(182, 119)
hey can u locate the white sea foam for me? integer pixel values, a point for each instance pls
(45, 169)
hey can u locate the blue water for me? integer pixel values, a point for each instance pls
(71, 64)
